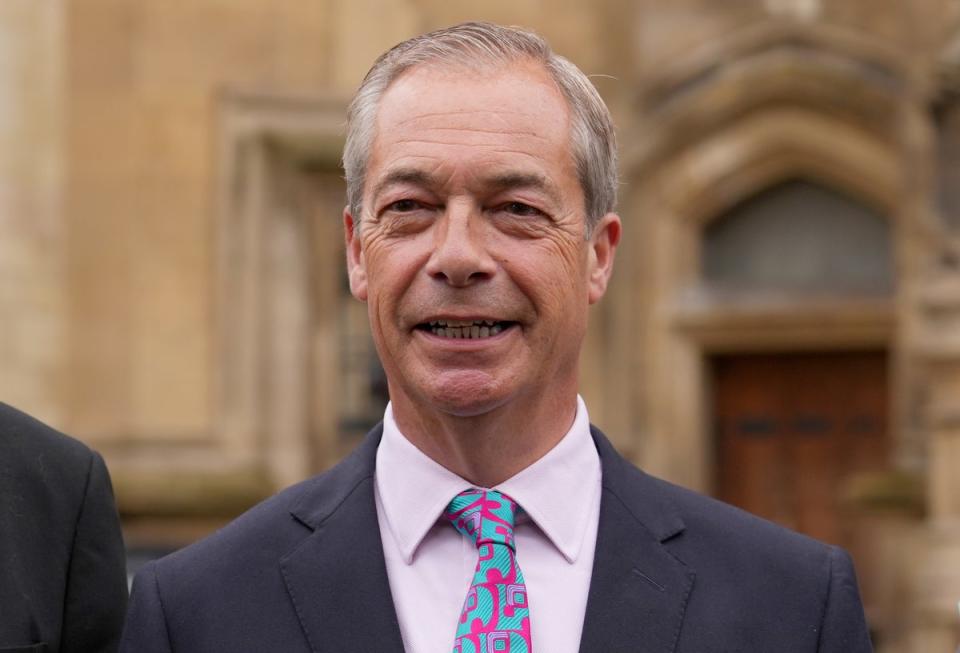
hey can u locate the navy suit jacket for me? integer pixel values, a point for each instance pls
(63, 579)
(674, 571)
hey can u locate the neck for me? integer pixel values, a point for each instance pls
(488, 448)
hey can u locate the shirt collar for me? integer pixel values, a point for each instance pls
(557, 491)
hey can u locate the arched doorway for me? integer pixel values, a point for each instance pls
(793, 428)
(731, 293)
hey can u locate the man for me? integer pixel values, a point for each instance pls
(63, 584)
(483, 514)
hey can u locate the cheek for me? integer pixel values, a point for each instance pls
(388, 258)
(392, 267)
(556, 271)
(387, 265)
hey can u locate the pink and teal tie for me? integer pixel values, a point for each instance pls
(495, 615)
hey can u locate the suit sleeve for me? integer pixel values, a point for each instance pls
(146, 628)
(844, 629)
(96, 593)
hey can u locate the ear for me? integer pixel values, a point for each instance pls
(603, 247)
(356, 266)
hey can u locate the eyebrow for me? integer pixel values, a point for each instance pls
(403, 176)
(513, 180)
(499, 182)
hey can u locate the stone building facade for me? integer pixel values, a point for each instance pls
(783, 328)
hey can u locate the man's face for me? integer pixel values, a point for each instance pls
(472, 252)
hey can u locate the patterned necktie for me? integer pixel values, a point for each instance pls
(495, 615)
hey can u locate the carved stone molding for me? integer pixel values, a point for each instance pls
(270, 148)
(275, 153)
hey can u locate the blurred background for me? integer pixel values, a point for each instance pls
(783, 329)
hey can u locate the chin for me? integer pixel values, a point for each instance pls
(466, 393)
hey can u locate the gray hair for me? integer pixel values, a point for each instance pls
(593, 143)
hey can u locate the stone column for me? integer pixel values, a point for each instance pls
(31, 227)
(936, 623)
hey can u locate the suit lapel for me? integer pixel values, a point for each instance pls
(639, 590)
(337, 577)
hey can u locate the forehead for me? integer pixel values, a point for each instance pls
(510, 111)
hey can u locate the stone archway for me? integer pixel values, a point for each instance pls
(772, 104)
(681, 323)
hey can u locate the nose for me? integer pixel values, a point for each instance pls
(460, 256)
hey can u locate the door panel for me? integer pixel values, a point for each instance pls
(791, 429)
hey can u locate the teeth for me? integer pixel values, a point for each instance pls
(460, 329)
(461, 323)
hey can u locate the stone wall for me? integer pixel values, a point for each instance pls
(31, 217)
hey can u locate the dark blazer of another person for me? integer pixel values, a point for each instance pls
(674, 572)
(63, 586)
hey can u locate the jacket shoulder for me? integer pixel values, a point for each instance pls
(700, 526)
(233, 579)
(31, 449)
(271, 529)
(769, 583)
(42, 471)
(708, 510)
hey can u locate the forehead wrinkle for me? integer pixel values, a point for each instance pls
(490, 147)
(505, 132)
(457, 112)
(536, 160)
(426, 122)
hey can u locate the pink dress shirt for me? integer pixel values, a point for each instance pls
(430, 565)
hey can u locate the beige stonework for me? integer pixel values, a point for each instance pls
(31, 219)
(171, 282)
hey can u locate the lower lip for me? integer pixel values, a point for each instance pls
(468, 343)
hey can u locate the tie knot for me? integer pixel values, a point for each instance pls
(485, 516)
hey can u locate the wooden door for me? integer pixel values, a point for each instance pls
(791, 429)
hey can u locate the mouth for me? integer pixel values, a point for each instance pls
(465, 329)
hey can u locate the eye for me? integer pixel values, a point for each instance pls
(403, 206)
(406, 216)
(521, 209)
